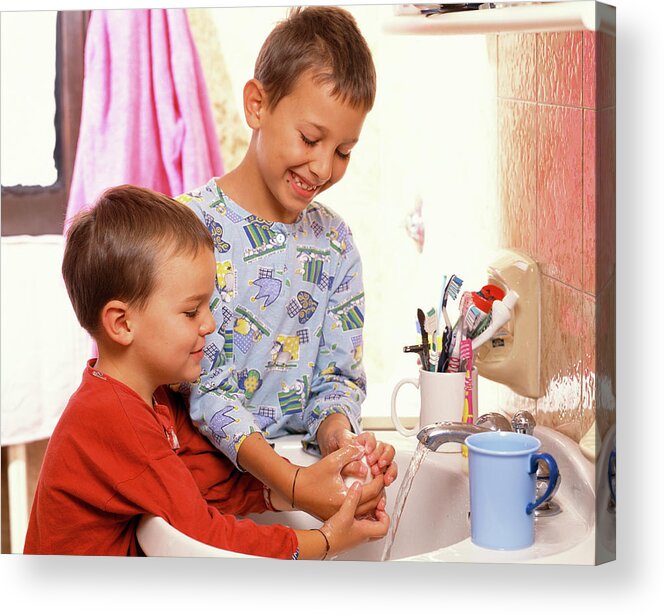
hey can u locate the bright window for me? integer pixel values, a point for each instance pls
(28, 41)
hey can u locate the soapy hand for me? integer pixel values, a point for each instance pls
(320, 488)
(345, 530)
(334, 432)
(379, 458)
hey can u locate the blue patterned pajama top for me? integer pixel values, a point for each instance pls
(289, 309)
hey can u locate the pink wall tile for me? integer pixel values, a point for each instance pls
(606, 196)
(598, 360)
(599, 219)
(562, 332)
(517, 174)
(599, 67)
(589, 379)
(559, 68)
(589, 70)
(606, 356)
(560, 193)
(517, 66)
(589, 215)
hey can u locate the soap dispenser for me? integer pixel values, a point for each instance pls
(512, 355)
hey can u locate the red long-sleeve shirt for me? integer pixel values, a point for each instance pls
(111, 458)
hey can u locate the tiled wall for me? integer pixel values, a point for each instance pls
(557, 166)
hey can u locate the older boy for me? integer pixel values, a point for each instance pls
(286, 354)
(139, 269)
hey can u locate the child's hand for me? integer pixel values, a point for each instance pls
(379, 457)
(320, 488)
(345, 531)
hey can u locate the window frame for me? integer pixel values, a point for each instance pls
(41, 210)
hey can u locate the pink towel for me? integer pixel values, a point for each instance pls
(146, 117)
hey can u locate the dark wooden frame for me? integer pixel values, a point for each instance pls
(39, 210)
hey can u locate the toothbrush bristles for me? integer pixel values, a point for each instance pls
(452, 289)
(455, 286)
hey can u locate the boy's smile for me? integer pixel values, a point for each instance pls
(299, 148)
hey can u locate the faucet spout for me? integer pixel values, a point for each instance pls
(435, 435)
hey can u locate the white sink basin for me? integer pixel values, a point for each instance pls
(438, 475)
(434, 525)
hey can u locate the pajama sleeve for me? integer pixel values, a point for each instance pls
(217, 404)
(339, 383)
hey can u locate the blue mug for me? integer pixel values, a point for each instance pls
(502, 481)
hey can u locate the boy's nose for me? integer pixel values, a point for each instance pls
(208, 324)
(322, 166)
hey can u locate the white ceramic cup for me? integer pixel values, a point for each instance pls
(441, 399)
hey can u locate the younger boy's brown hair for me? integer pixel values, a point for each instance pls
(115, 248)
(322, 39)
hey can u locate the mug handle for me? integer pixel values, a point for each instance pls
(393, 408)
(554, 475)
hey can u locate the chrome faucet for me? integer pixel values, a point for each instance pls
(435, 435)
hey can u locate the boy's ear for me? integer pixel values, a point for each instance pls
(115, 322)
(254, 100)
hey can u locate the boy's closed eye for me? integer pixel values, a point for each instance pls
(313, 142)
(192, 313)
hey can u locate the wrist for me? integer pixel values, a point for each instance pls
(326, 551)
(258, 458)
(332, 431)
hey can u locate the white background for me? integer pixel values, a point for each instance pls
(632, 584)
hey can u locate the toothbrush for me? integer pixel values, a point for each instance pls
(466, 355)
(430, 328)
(454, 353)
(425, 341)
(439, 306)
(443, 356)
(452, 289)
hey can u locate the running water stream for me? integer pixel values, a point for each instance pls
(402, 494)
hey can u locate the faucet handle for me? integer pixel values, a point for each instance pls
(494, 421)
(523, 422)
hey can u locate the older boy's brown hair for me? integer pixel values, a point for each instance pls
(322, 39)
(114, 249)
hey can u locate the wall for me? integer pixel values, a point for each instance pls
(557, 166)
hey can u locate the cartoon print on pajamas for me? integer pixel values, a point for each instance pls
(219, 421)
(338, 238)
(249, 381)
(269, 287)
(261, 238)
(226, 280)
(349, 315)
(247, 330)
(284, 352)
(292, 399)
(312, 263)
(216, 231)
(303, 306)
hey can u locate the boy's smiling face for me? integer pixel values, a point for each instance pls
(169, 332)
(301, 147)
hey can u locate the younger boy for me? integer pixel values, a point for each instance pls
(286, 354)
(139, 269)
